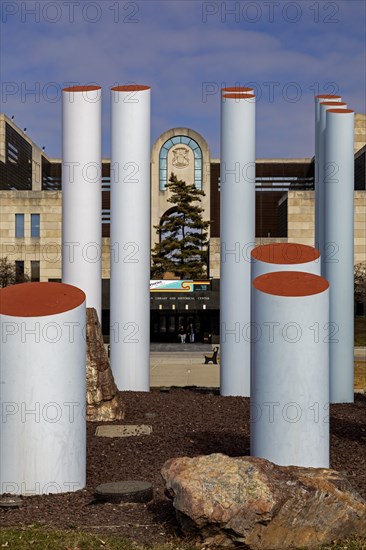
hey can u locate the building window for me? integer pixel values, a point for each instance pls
(19, 271)
(35, 226)
(106, 216)
(35, 271)
(13, 153)
(19, 226)
(16, 171)
(163, 160)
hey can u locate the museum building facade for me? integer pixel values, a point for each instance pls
(31, 205)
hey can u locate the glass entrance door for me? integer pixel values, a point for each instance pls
(165, 326)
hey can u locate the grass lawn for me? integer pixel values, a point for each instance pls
(360, 331)
(44, 539)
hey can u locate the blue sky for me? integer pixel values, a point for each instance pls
(185, 50)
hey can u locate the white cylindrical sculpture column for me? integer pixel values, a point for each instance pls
(319, 237)
(43, 389)
(237, 230)
(339, 250)
(237, 90)
(290, 369)
(130, 238)
(284, 257)
(82, 191)
(322, 173)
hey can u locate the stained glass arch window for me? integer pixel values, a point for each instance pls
(163, 160)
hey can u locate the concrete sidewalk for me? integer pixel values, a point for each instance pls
(184, 368)
(187, 368)
(360, 354)
(183, 365)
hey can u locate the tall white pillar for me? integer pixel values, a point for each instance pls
(319, 230)
(290, 369)
(43, 389)
(130, 238)
(237, 212)
(339, 249)
(82, 191)
(322, 174)
(271, 257)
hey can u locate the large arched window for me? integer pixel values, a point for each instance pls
(163, 160)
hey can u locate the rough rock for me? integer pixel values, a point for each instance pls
(103, 400)
(253, 502)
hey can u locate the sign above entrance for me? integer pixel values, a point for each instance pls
(171, 285)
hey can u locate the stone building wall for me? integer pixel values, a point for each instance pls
(159, 198)
(301, 220)
(360, 131)
(47, 249)
(300, 227)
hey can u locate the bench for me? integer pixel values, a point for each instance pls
(212, 358)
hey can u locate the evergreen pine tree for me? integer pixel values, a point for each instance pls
(182, 246)
(9, 275)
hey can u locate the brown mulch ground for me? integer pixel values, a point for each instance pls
(185, 423)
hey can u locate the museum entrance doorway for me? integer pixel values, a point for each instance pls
(165, 326)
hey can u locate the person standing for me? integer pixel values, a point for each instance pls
(191, 333)
(182, 334)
